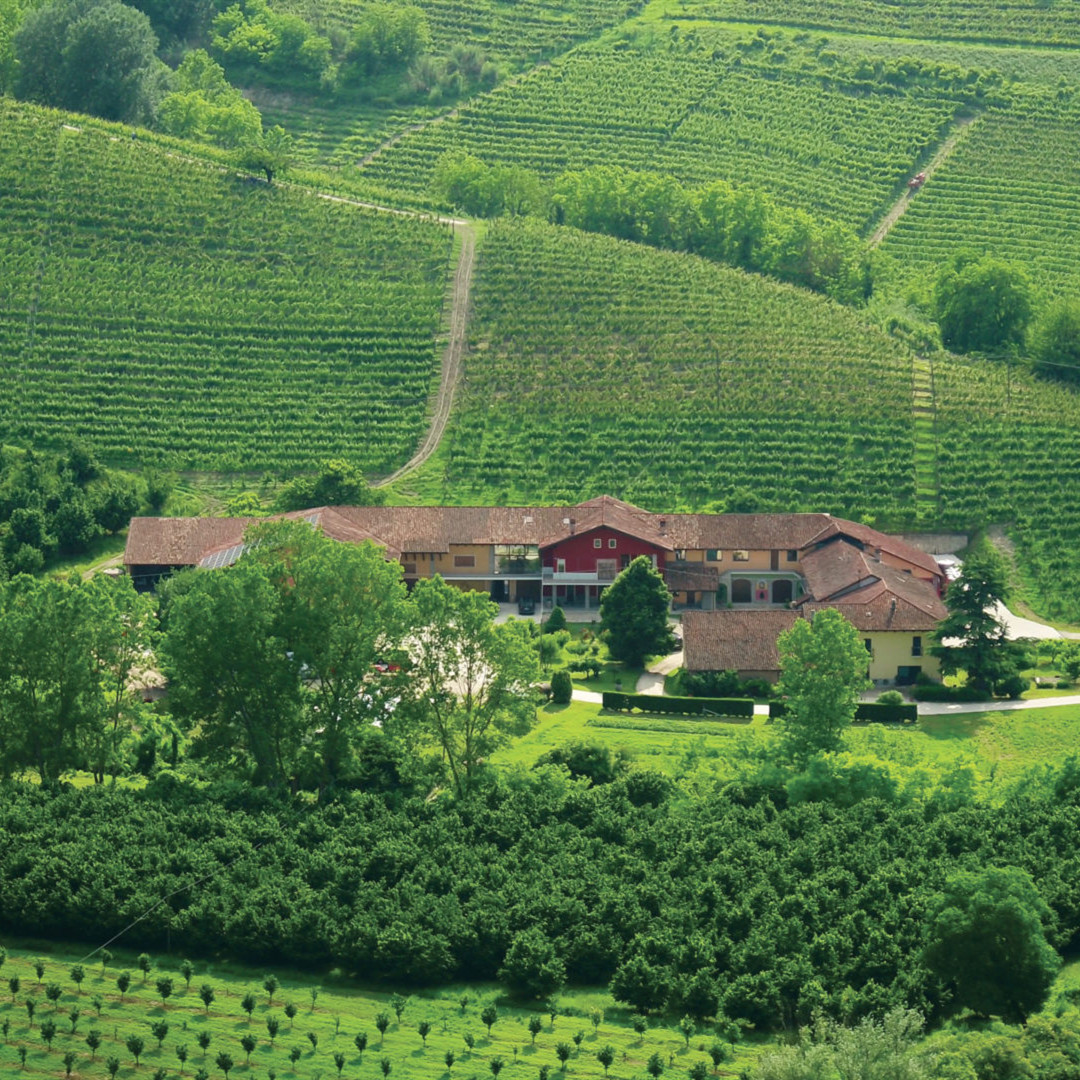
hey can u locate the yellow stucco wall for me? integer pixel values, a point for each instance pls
(481, 553)
(892, 650)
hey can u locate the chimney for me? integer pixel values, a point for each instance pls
(663, 524)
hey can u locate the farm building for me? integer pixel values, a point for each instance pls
(717, 566)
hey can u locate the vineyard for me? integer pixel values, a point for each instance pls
(695, 111)
(1009, 451)
(505, 31)
(1034, 21)
(161, 309)
(1011, 188)
(598, 366)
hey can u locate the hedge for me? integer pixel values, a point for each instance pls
(867, 712)
(685, 706)
(939, 692)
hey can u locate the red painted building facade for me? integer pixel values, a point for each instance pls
(577, 568)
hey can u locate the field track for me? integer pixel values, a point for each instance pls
(899, 208)
(452, 355)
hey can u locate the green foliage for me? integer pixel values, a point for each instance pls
(562, 687)
(691, 109)
(204, 107)
(634, 613)
(468, 688)
(224, 355)
(1055, 345)
(268, 152)
(984, 652)
(67, 653)
(739, 226)
(469, 185)
(671, 407)
(684, 706)
(532, 966)
(986, 942)
(822, 673)
(93, 56)
(388, 36)
(251, 36)
(885, 1049)
(295, 690)
(556, 621)
(981, 304)
(338, 483)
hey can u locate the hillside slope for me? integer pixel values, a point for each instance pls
(165, 309)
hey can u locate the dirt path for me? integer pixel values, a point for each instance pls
(899, 208)
(459, 299)
(452, 356)
(369, 157)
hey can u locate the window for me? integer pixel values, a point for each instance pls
(714, 555)
(597, 542)
(792, 555)
(409, 568)
(560, 566)
(916, 646)
(741, 556)
(624, 562)
(869, 646)
(612, 543)
(605, 569)
(464, 562)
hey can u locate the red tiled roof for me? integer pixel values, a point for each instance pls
(743, 640)
(880, 610)
(838, 573)
(433, 529)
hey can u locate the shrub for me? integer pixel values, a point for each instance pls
(940, 692)
(562, 688)
(1012, 687)
(555, 621)
(891, 697)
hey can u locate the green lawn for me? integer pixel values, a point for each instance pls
(1000, 745)
(335, 1016)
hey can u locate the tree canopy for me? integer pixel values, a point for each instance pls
(972, 638)
(469, 684)
(823, 670)
(94, 56)
(986, 941)
(981, 303)
(634, 613)
(1056, 341)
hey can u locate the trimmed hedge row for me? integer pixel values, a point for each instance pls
(940, 692)
(867, 712)
(683, 706)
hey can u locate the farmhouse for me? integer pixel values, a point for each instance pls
(725, 571)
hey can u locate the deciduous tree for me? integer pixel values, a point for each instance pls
(986, 940)
(469, 686)
(823, 670)
(634, 613)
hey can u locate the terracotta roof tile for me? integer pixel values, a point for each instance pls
(734, 640)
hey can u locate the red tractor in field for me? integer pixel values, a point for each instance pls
(916, 181)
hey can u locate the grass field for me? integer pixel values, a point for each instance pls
(1000, 745)
(339, 1010)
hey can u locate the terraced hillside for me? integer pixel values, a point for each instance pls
(697, 110)
(163, 309)
(505, 31)
(601, 366)
(1012, 187)
(1034, 21)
